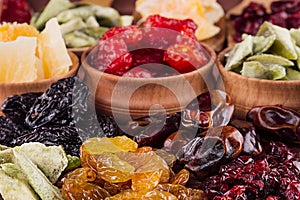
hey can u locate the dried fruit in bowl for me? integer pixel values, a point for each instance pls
(43, 55)
(204, 13)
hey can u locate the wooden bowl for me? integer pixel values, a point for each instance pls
(249, 92)
(8, 89)
(137, 97)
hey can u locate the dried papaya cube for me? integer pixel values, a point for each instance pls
(74, 190)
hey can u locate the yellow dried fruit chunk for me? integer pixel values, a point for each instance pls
(11, 31)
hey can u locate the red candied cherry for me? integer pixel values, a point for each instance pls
(139, 72)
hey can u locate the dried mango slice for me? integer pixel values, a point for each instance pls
(283, 44)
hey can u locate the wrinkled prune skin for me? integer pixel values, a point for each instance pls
(15, 107)
(61, 104)
(252, 145)
(154, 131)
(108, 125)
(271, 175)
(203, 155)
(8, 131)
(67, 136)
(276, 122)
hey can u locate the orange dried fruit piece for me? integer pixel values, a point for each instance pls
(11, 31)
(17, 65)
(181, 178)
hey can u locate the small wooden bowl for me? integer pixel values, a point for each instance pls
(8, 89)
(137, 97)
(249, 92)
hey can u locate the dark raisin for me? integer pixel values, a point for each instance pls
(67, 136)
(61, 104)
(15, 107)
(108, 125)
(8, 131)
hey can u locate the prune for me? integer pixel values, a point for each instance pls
(8, 131)
(108, 125)
(60, 104)
(154, 132)
(277, 122)
(67, 136)
(15, 107)
(252, 145)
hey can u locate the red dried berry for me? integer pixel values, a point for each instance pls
(112, 57)
(293, 191)
(15, 11)
(130, 34)
(146, 56)
(187, 27)
(139, 72)
(186, 55)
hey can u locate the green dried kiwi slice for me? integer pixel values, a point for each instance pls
(276, 71)
(283, 44)
(260, 43)
(295, 34)
(239, 52)
(254, 69)
(292, 74)
(267, 59)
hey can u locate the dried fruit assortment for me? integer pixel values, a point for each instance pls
(160, 47)
(81, 24)
(274, 54)
(283, 13)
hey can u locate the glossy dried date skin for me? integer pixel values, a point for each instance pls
(276, 122)
(16, 107)
(67, 136)
(61, 104)
(252, 145)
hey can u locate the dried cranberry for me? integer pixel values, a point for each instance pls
(254, 10)
(185, 55)
(111, 56)
(278, 6)
(293, 21)
(293, 191)
(130, 34)
(279, 18)
(15, 11)
(187, 27)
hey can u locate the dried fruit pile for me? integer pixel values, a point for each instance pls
(273, 53)
(162, 47)
(283, 13)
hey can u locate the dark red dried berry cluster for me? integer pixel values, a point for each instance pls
(15, 11)
(283, 13)
(161, 47)
(274, 174)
